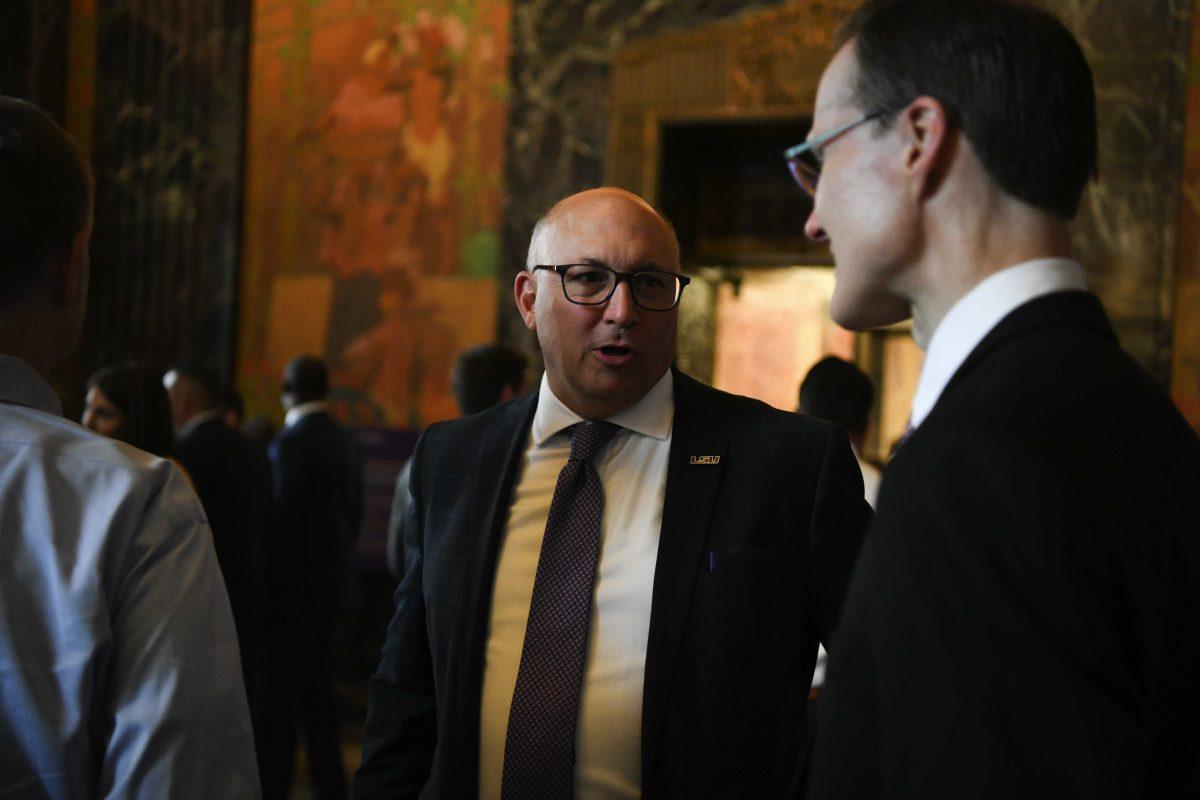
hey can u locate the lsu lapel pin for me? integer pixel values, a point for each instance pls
(706, 459)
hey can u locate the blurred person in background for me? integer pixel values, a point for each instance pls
(233, 479)
(126, 401)
(837, 391)
(319, 505)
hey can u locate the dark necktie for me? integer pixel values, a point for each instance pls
(539, 746)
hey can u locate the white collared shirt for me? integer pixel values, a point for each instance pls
(302, 410)
(633, 470)
(119, 668)
(980, 310)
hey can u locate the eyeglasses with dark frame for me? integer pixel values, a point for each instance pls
(804, 160)
(594, 284)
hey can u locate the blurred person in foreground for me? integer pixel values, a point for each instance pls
(614, 587)
(119, 672)
(319, 497)
(126, 401)
(837, 391)
(482, 377)
(1022, 620)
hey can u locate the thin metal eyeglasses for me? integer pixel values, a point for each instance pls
(804, 160)
(594, 284)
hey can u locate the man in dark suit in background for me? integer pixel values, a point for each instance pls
(1022, 619)
(615, 586)
(233, 480)
(319, 490)
(838, 391)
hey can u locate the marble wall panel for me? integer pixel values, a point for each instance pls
(562, 53)
(33, 52)
(167, 154)
(1185, 351)
(1126, 232)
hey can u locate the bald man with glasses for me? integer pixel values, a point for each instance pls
(614, 587)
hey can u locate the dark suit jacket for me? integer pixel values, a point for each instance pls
(318, 481)
(753, 558)
(233, 481)
(1022, 620)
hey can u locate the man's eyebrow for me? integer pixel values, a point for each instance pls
(641, 266)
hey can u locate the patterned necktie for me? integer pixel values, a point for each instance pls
(539, 747)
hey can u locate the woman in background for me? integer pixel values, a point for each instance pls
(127, 401)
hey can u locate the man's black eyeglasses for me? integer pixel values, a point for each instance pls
(594, 284)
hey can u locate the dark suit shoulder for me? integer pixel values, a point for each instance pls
(1067, 393)
(750, 418)
(472, 429)
(215, 443)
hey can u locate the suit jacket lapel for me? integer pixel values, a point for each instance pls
(690, 490)
(497, 465)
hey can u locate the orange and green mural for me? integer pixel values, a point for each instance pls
(374, 164)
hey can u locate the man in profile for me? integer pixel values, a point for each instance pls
(119, 672)
(615, 586)
(1021, 622)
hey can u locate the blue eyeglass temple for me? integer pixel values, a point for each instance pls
(793, 153)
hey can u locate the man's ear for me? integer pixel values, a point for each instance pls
(69, 275)
(525, 292)
(926, 128)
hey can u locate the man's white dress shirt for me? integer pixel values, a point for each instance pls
(980, 310)
(119, 667)
(302, 410)
(633, 470)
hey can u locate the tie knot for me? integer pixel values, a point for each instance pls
(588, 438)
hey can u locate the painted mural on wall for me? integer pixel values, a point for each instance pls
(375, 150)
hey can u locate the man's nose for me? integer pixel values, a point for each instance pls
(813, 228)
(621, 309)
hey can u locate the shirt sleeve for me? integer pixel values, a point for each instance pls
(174, 704)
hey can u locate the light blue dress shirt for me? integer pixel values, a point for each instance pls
(119, 669)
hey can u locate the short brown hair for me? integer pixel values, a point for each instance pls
(45, 195)
(1008, 73)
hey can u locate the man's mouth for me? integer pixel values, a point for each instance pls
(615, 354)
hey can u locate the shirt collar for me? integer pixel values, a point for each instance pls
(21, 385)
(651, 416)
(980, 310)
(302, 410)
(197, 420)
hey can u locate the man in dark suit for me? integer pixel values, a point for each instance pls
(616, 586)
(318, 482)
(1021, 621)
(233, 480)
